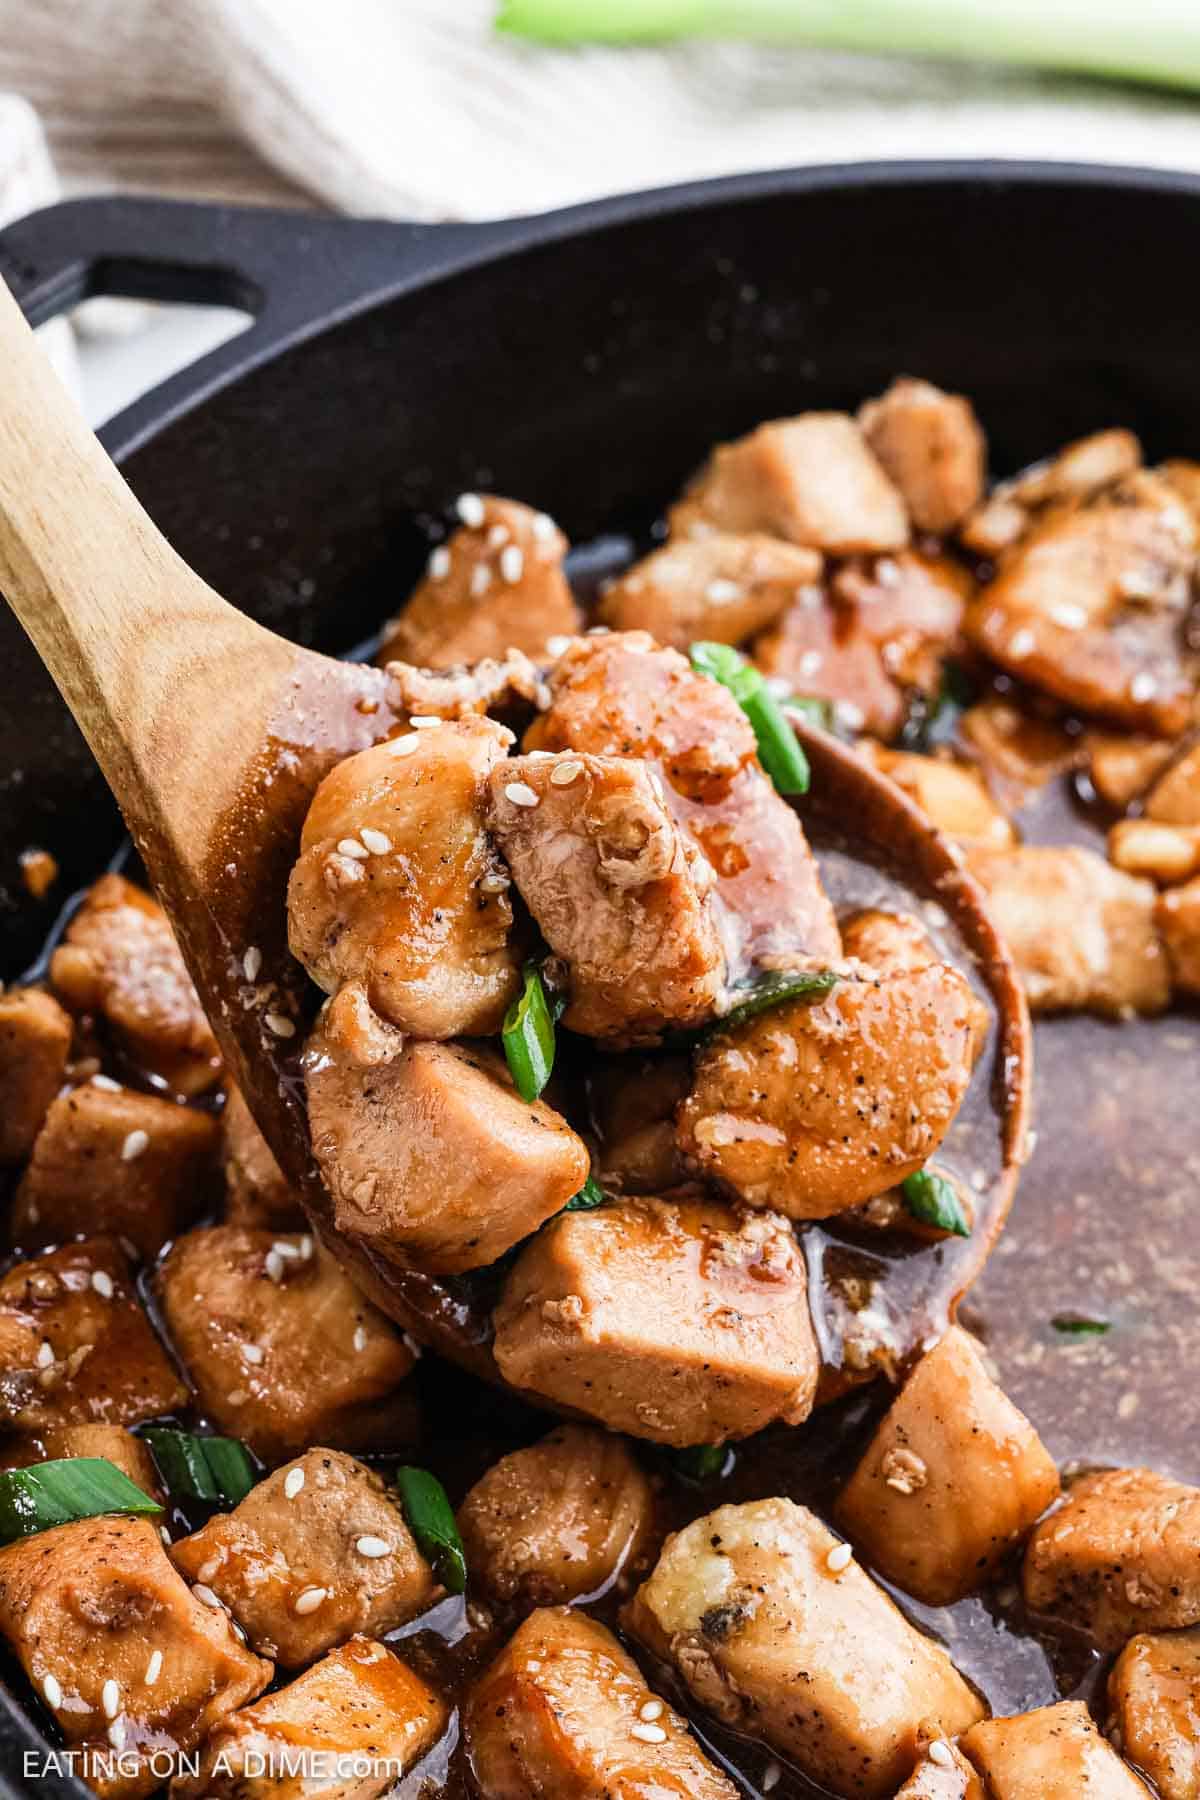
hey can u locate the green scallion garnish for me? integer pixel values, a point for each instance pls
(774, 990)
(431, 1521)
(528, 1035)
(590, 1195)
(778, 752)
(1072, 1325)
(704, 1462)
(933, 1200)
(216, 1469)
(58, 1493)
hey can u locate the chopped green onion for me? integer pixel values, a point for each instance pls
(1158, 42)
(933, 1200)
(590, 1195)
(431, 1522)
(778, 751)
(774, 990)
(57, 1493)
(528, 1034)
(201, 1468)
(704, 1462)
(1072, 1326)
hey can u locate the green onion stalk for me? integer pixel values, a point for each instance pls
(1154, 41)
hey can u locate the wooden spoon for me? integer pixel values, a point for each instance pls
(213, 734)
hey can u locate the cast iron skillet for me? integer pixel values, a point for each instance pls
(586, 360)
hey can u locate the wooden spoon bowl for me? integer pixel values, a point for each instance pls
(214, 733)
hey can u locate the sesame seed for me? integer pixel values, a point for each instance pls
(110, 1698)
(648, 1734)
(1143, 687)
(252, 1353)
(377, 842)
(106, 1084)
(512, 563)
(543, 527)
(165, 1535)
(557, 644)
(1068, 615)
(45, 1355)
(520, 793)
(237, 1631)
(102, 1283)
(52, 1691)
(306, 1247)
(116, 1734)
(1021, 644)
(941, 1754)
(252, 963)
(153, 1668)
(839, 1558)
(772, 1776)
(651, 1710)
(308, 1601)
(720, 592)
(280, 1025)
(439, 563)
(134, 1144)
(423, 722)
(351, 847)
(404, 746)
(372, 1546)
(281, 1247)
(810, 662)
(293, 1481)
(565, 773)
(206, 1597)
(499, 534)
(494, 884)
(469, 508)
(481, 580)
(273, 1266)
(360, 1338)
(207, 1570)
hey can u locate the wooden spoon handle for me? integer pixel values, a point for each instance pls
(138, 645)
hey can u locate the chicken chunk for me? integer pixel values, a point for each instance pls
(489, 685)
(498, 584)
(564, 1712)
(429, 1153)
(1121, 1555)
(882, 628)
(618, 890)
(1082, 934)
(256, 1190)
(1019, 751)
(313, 1554)
(931, 445)
(1077, 472)
(1055, 1753)
(954, 796)
(815, 1108)
(1166, 854)
(1091, 606)
(811, 479)
(773, 1638)
(1177, 915)
(1175, 797)
(113, 1444)
(398, 886)
(943, 1773)
(677, 1321)
(76, 1348)
(720, 588)
(123, 1655)
(622, 696)
(35, 1042)
(633, 1102)
(127, 1163)
(282, 1349)
(119, 958)
(348, 1728)
(1123, 764)
(1154, 1694)
(953, 1478)
(571, 1516)
(887, 941)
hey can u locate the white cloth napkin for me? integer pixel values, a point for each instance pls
(415, 108)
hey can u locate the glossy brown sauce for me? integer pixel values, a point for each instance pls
(1103, 1228)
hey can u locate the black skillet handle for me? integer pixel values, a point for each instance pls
(292, 271)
